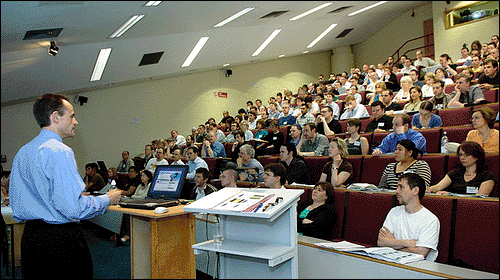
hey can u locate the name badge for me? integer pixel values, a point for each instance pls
(472, 190)
(275, 138)
(381, 124)
(356, 143)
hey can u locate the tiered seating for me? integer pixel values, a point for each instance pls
(491, 95)
(432, 137)
(373, 167)
(315, 164)
(457, 133)
(455, 116)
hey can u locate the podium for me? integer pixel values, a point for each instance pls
(254, 244)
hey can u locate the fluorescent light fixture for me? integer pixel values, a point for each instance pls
(233, 17)
(102, 59)
(311, 11)
(367, 8)
(224, 65)
(266, 42)
(321, 35)
(282, 55)
(195, 51)
(305, 51)
(152, 3)
(129, 23)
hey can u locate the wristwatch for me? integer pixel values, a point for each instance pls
(333, 167)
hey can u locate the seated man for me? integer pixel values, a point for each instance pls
(202, 187)
(179, 139)
(381, 122)
(247, 160)
(201, 134)
(305, 116)
(401, 124)
(314, 144)
(211, 147)
(296, 168)
(411, 227)
(125, 163)
(390, 107)
(423, 61)
(158, 160)
(228, 178)
(194, 162)
(353, 109)
(465, 93)
(273, 141)
(286, 117)
(489, 79)
(326, 124)
(275, 176)
(93, 180)
(440, 100)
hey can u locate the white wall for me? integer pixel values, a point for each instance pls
(158, 106)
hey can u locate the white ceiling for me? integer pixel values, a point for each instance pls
(173, 27)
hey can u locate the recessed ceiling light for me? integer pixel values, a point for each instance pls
(266, 42)
(322, 35)
(233, 17)
(305, 51)
(281, 55)
(367, 8)
(126, 26)
(195, 51)
(227, 64)
(101, 61)
(311, 11)
(152, 3)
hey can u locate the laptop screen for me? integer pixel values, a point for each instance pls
(168, 181)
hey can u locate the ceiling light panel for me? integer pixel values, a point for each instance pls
(367, 8)
(102, 59)
(195, 51)
(266, 42)
(233, 17)
(322, 35)
(311, 11)
(126, 26)
(152, 3)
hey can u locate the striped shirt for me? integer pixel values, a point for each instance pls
(390, 178)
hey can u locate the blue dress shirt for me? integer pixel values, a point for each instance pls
(46, 185)
(389, 143)
(218, 149)
(193, 165)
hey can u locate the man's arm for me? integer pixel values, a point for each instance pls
(386, 239)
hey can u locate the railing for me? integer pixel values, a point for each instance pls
(411, 40)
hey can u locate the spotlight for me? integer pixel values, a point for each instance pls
(53, 49)
(82, 99)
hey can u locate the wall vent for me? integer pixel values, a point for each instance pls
(42, 33)
(338, 10)
(275, 14)
(151, 58)
(344, 33)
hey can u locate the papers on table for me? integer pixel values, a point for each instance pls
(244, 201)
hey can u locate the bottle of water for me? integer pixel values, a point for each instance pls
(444, 140)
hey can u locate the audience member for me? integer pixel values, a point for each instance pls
(112, 176)
(125, 163)
(179, 139)
(314, 144)
(330, 101)
(401, 124)
(414, 75)
(375, 96)
(415, 99)
(274, 176)
(353, 109)
(189, 143)
(441, 76)
(296, 135)
(356, 144)
(477, 67)
(353, 91)
(484, 134)
(338, 171)
(381, 122)
(176, 157)
(410, 227)
(252, 120)
(448, 66)
(235, 126)
(261, 132)
(272, 141)
(390, 79)
(212, 148)
(403, 94)
(326, 124)
(313, 106)
(296, 168)
(142, 190)
(221, 137)
(246, 160)
(170, 147)
(407, 67)
(305, 116)
(202, 187)
(423, 61)
(406, 155)
(440, 100)
(465, 93)
(489, 79)
(425, 118)
(133, 181)
(235, 148)
(93, 180)
(159, 160)
(470, 176)
(228, 178)
(194, 162)
(429, 79)
(316, 216)
(286, 117)
(223, 121)
(201, 134)
(148, 154)
(464, 52)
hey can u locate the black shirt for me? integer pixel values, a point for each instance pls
(394, 106)
(334, 126)
(297, 171)
(483, 79)
(385, 123)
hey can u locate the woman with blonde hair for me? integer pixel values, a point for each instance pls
(403, 94)
(338, 171)
(429, 79)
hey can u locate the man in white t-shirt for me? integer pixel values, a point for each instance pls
(410, 227)
(275, 176)
(159, 160)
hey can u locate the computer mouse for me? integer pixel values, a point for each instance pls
(161, 210)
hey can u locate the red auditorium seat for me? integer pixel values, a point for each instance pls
(343, 124)
(442, 207)
(340, 196)
(265, 160)
(228, 147)
(455, 116)
(491, 95)
(449, 88)
(315, 165)
(357, 163)
(365, 215)
(452, 162)
(138, 161)
(365, 121)
(492, 163)
(493, 106)
(212, 165)
(457, 133)
(398, 76)
(378, 137)
(373, 167)
(369, 110)
(476, 234)
(284, 130)
(437, 163)
(433, 139)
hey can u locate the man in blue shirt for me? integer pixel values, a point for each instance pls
(46, 192)
(401, 124)
(211, 147)
(286, 117)
(194, 162)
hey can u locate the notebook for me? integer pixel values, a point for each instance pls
(165, 190)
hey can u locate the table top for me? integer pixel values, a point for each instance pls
(172, 211)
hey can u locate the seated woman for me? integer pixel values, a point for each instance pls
(143, 188)
(441, 76)
(427, 91)
(484, 134)
(296, 167)
(379, 87)
(317, 217)
(424, 118)
(415, 99)
(240, 141)
(356, 144)
(403, 95)
(112, 176)
(471, 175)
(261, 132)
(406, 154)
(338, 171)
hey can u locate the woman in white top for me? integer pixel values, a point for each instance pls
(429, 79)
(143, 188)
(441, 75)
(403, 94)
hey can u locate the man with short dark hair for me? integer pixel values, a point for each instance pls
(194, 162)
(202, 187)
(305, 116)
(125, 163)
(410, 227)
(275, 176)
(314, 144)
(212, 148)
(440, 100)
(381, 122)
(386, 98)
(273, 141)
(465, 93)
(326, 124)
(286, 117)
(228, 178)
(489, 79)
(148, 154)
(179, 139)
(93, 180)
